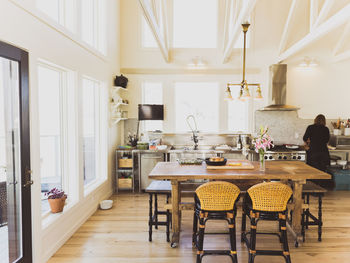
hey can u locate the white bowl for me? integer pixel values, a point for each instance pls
(162, 147)
(106, 204)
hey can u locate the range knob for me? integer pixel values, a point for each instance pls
(299, 157)
(294, 157)
(280, 157)
(284, 157)
(270, 157)
(265, 157)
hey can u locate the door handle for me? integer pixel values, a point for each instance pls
(28, 179)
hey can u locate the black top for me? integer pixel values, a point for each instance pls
(319, 137)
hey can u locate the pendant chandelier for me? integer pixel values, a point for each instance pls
(244, 92)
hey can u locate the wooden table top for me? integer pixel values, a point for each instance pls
(292, 170)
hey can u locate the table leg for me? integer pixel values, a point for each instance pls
(175, 200)
(298, 210)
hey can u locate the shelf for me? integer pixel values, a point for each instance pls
(117, 88)
(116, 120)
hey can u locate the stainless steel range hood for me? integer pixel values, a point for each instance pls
(277, 89)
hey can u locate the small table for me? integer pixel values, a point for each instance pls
(297, 172)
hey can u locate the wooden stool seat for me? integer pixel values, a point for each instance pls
(156, 188)
(312, 189)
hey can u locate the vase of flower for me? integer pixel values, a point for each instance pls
(262, 143)
(56, 199)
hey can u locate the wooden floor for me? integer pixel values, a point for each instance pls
(120, 235)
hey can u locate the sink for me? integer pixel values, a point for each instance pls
(191, 148)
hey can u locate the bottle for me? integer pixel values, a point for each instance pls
(239, 143)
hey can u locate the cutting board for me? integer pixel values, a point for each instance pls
(245, 165)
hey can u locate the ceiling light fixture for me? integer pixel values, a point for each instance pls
(244, 92)
(308, 63)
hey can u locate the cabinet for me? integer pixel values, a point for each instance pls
(124, 175)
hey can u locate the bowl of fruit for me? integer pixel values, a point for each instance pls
(216, 161)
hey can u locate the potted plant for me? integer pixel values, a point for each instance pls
(57, 199)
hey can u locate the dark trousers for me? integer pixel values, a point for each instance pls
(320, 160)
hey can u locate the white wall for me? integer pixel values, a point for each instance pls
(25, 28)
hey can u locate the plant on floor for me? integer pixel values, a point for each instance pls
(57, 199)
(262, 143)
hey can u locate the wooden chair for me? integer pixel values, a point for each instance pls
(154, 189)
(309, 219)
(215, 201)
(266, 201)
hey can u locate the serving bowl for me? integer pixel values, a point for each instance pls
(211, 163)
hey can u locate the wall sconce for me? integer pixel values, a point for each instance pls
(197, 63)
(308, 63)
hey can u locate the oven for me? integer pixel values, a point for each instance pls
(283, 153)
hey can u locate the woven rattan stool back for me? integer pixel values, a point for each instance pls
(272, 196)
(217, 196)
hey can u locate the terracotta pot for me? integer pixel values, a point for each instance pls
(57, 204)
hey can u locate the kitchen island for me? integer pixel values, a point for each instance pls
(296, 172)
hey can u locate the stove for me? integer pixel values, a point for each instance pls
(283, 153)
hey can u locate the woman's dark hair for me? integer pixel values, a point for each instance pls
(320, 120)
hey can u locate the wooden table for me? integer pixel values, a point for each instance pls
(297, 172)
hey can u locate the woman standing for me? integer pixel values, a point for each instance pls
(316, 137)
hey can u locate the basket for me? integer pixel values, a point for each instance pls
(125, 163)
(125, 183)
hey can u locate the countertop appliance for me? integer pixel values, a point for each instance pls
(283, 153)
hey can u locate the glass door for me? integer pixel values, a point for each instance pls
(15, 217)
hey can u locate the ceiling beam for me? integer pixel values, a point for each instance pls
(148, 11)
(313, 12)
(324, 12)
(228, 15)
(341, 39)
(342, 56)
(245, 12)
(332, 23)
(287, 26)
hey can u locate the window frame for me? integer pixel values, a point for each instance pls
(67, 103)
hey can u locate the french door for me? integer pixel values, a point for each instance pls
(15, 173)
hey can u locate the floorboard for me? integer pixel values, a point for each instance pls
(121, 235)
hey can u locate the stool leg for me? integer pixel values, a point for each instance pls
(167, 221)
(244, 225)
(303, 225)
(285, 240)
(156, 211)
(195, 229)
(200, 239)
(232, 229)
(150, 219)
(307, 212)
(252, 251)
(320, 218)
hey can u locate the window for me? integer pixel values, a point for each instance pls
(62, 11)
(238, 116)
(152, 93)
(200, 100)
(195, 23)
(90, 114)
(50, 88)
(93, 24)
(148, 40)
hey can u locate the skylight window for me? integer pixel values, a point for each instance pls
(195, 23)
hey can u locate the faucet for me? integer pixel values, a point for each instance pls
(193, 129)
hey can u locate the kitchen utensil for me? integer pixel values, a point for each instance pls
(190, 161)
(292, 146)
(213, 163)
(342, 162)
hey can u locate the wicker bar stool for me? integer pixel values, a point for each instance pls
(215, 201)
(266, 201)
(156, 188)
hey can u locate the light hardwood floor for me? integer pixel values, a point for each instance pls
(120, 235)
